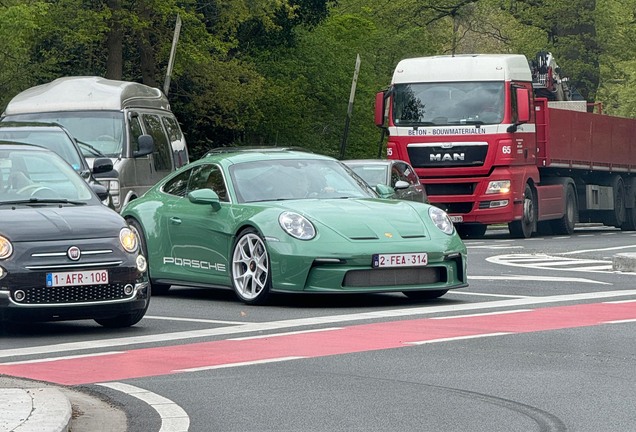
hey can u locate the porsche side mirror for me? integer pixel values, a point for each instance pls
(385, 191)
(204, 196)
(401, 184)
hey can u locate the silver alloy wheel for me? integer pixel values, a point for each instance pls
(250, 266)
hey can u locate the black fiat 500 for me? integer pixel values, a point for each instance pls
(63, 254)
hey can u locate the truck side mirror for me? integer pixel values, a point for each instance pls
(379, 109)
(523, 105)
(146, 146)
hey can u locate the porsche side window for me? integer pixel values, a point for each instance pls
(178, 185)
(208, 177)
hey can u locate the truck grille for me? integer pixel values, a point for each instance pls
(455, 208)
(450, 189)
(434, 156)
(395, 277)
(67, 295)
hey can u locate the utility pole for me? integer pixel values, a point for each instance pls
(350, 107)
(173, 52)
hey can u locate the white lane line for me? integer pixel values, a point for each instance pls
(560, 238)
(570, 262)
(231, 365)
(598, 250)
(612, 233)
(303, 322)
(50, 359)
(456, 338)
(267, 336)
(534, 239)
(503, 241)
(173, 417)
(620, 301)
(467, 242)
(199, 320)
(483, 314)
(538, 278)
(620, 321)
(486, 294)
(494, 247)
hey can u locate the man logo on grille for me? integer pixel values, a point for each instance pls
(74, 253)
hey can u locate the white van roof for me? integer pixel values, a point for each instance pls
(465, 67)
(86, 93)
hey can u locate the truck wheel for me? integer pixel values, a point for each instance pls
(471, 230)
(565, 225)
(630, 213)
(616, 217)
(525, 227)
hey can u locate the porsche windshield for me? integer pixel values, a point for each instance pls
(101, 130)
(38, 175)
(275, 180)
(448, 103)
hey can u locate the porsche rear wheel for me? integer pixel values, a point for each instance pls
(251, 277)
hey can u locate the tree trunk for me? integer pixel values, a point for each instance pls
(114, 41)
(146, 54)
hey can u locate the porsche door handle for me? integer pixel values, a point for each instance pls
(175, 220)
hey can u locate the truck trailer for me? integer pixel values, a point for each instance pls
(495, 139)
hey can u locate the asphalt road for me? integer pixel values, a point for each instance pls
(541, 340)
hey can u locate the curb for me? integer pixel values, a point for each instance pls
(35, 410)
(624, 262)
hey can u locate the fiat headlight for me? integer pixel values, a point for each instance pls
(297, 226)
(6, 249)
(441, 220)
(128, 240)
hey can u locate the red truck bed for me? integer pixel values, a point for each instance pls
(579, 140)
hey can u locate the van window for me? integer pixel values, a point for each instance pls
(162, 153)
(172, 128)
(176, 141)
(135, 133)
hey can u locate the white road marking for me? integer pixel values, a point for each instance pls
(456, 338)
(303, 322)
(494, 247)
(548, 262)
(173, 417)
(196, 320)
(468, 242)
(247, 363)
(620, 321)
(483, 314)
(487, 294)
(534, 239)
(585, 235)
(50, 359)
(267, 336)
(598, 250)
(538, 278)
(621, 301)
(611, 233)
(559, 238)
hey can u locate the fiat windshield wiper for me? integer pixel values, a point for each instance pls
(43, 201)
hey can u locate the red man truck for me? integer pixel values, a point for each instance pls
(495, 139)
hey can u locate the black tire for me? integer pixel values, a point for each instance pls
(125, 320)
(470, 231)
(424, 295)
(252, 265)
(526, 226)
(630, 213)
(565, 225)
(155, 288)
(617, 216)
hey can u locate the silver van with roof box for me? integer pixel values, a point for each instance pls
(128, 122)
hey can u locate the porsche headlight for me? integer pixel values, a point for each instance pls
(441, 220)
(6, 249)
(297, 226)
(128, 240)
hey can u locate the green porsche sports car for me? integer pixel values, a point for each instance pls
(278, 220)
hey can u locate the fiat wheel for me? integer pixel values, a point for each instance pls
(251, 276)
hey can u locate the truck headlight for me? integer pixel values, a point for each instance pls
(297, 226)
(441, 220)
(498, 186)
(128, 240)
(6, 248)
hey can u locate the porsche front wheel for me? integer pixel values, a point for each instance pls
(251, 276)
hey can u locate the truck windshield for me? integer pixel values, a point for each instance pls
(103, 130)
(448, 103)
